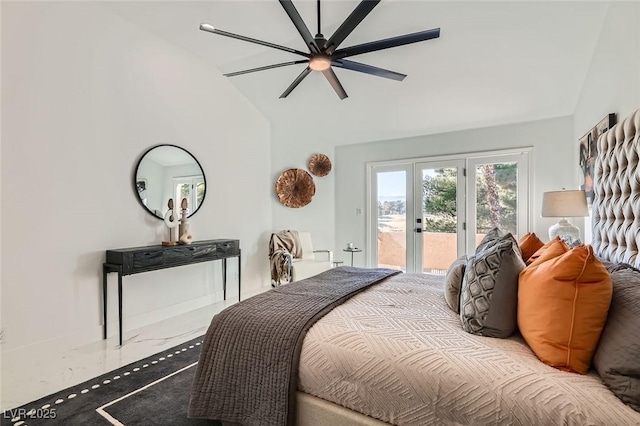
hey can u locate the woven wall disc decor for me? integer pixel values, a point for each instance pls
(319, 165)
(295, 188)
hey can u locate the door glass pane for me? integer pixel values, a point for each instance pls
(440, 219)
(496, 198)
(392, 220)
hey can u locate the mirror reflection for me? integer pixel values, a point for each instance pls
(169, 172)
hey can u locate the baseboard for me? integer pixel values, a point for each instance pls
(79, 338)
(83, 337)
(147, 318)
(63, 361)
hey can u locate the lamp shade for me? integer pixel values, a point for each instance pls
(571, 203)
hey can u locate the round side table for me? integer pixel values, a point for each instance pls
(352, 250)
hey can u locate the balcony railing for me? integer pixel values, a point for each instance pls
(439, 250)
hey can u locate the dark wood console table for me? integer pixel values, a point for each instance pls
(129, 261)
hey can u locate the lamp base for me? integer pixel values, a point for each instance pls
(565, 230)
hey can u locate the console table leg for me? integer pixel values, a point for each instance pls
(120, 304)
(104, 302)
(239, 277)
(224, 278)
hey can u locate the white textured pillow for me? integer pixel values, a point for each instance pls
(453, 282)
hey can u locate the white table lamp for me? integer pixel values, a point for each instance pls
(564, 204)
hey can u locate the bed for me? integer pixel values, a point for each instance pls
(390, 351)
(397, 353)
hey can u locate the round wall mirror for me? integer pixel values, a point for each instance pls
(169, 172)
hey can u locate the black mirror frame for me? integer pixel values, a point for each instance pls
(135, 180)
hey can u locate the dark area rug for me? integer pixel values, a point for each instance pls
(153, 391)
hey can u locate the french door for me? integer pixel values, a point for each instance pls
(425, 214)
(497, 196)
(439, 230)
(389, 244)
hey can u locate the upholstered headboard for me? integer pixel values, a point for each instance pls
(616, 205)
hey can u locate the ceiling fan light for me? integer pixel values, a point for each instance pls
(320, 63)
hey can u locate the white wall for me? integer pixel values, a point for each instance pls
(613, 81)
(85, 93)
(317, 217)
(552, 142)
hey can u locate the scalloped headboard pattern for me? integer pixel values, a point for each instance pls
(616, 204)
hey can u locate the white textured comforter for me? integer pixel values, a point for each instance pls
(396, 352)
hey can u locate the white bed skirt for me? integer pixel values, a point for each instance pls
(313, 411)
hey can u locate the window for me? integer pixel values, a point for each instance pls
(424, 213)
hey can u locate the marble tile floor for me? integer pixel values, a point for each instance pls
(43, 374)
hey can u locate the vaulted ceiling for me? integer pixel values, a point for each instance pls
(494, 63)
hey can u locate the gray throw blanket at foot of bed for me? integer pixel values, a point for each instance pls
(248, 368)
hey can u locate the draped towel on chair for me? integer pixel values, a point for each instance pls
(281, 245)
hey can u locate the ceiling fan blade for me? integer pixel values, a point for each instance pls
(267, 67)
(209, 28)
(332, 78)
(300, 25)
(386, 43)
(295, 83)
(368, 69)
(359, 13)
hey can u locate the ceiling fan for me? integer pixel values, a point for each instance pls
(325, 54)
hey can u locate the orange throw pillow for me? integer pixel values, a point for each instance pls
(544, 248)
(563, 303)
(529, 244)
(552, 249)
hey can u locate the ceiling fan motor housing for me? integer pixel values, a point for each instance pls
(320, 41)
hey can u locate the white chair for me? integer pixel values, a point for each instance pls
(309, 265)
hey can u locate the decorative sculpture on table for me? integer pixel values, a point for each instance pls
(172, 222)
(185, 236)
